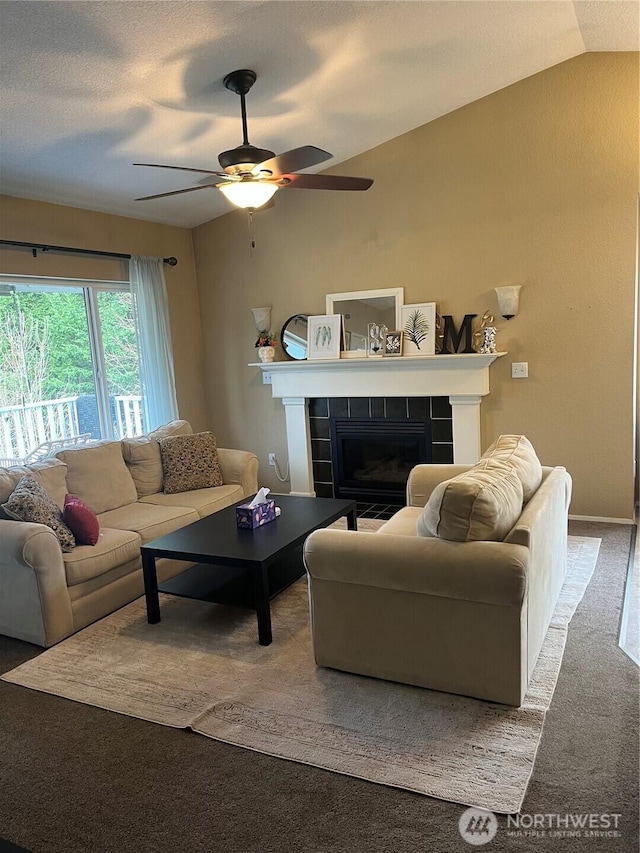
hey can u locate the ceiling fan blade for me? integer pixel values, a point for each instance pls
(175, 192)
(294, 160)
(182, 169)
(323, 182)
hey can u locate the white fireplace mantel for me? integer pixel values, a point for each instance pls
(464, 378)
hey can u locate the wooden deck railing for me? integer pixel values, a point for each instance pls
(25, 428)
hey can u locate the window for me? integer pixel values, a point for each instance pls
(69, 365)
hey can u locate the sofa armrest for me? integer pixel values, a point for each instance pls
(241, 467)
(34, 600)
(424, 478)
(491, 572)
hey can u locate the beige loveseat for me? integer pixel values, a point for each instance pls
(464, 617)
(45, 594)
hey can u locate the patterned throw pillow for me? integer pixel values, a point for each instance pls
(81, 520)
(30, 502)
(189, 462)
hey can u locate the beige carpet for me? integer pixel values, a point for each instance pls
(201, 668)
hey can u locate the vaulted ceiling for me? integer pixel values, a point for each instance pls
(89, 88)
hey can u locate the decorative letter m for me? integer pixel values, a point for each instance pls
(450, 332)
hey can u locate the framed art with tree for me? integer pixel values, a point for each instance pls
(419, 329)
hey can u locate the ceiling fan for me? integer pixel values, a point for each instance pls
(251, 176)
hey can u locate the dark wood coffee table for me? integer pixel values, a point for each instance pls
(243, 568)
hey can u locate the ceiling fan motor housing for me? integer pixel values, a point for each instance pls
(243, 158)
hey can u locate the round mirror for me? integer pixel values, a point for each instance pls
(294, 336)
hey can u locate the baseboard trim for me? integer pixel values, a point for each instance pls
(602, 518)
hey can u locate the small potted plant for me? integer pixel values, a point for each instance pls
(265, 344)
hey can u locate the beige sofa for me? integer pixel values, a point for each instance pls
(45, 594)
(465, 617)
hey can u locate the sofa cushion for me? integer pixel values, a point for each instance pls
(403, 523)
(142, 456)
(149, 521)
(189, 462)
(98, 476)
(204, 501)
(482, 504)
(50, 473)
(30, 502)
(517, 450)
(113, 548)
(81, 520)
(177, 427)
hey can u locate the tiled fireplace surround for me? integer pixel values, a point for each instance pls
(384, 386)
(435, 410)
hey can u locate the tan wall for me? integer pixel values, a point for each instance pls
(34, 221)
(535, 185)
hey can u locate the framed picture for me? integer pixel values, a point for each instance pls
(419, 329)
(324, 336)
(393, 343)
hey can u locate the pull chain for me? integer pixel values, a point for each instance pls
(252, 242)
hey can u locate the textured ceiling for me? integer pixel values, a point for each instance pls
(89, 88)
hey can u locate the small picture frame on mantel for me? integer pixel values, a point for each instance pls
(393, 343)
(324, 336)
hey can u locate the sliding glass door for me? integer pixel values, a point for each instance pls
(68, 365)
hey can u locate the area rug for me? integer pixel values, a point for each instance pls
(201, 668)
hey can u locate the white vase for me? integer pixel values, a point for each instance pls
(266, 353)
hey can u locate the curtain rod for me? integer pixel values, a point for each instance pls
(35, 247)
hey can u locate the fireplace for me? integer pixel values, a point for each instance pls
(457, 382)
(372, 459)
(364, 448)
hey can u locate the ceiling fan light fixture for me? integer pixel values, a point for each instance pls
(250, 193)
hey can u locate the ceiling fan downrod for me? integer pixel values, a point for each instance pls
(241, 82)
(244, 155)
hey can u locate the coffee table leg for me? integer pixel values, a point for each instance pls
(351, 520)
(151, 588)
(261, 593)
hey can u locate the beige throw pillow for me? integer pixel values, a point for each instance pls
(517, 450)
(178, 427)
(190, 462)
(97, 474)
(30, 502)
(482, 504)
(50, 473)
(142, 456)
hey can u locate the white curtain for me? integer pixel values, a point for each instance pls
(151, 314)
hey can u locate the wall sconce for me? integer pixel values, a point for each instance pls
(262, 319)
(508, 299)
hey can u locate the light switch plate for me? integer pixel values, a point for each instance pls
(520, 370)
(267, 379)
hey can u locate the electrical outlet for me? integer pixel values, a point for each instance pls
(267, 379)
(272, 459)
(520, 370)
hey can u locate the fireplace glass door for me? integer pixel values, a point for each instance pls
(372, 459)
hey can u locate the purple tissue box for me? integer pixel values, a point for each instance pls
(250, 518)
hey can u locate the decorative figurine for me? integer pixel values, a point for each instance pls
(376, 335)
(485, 335)
(439, 333)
